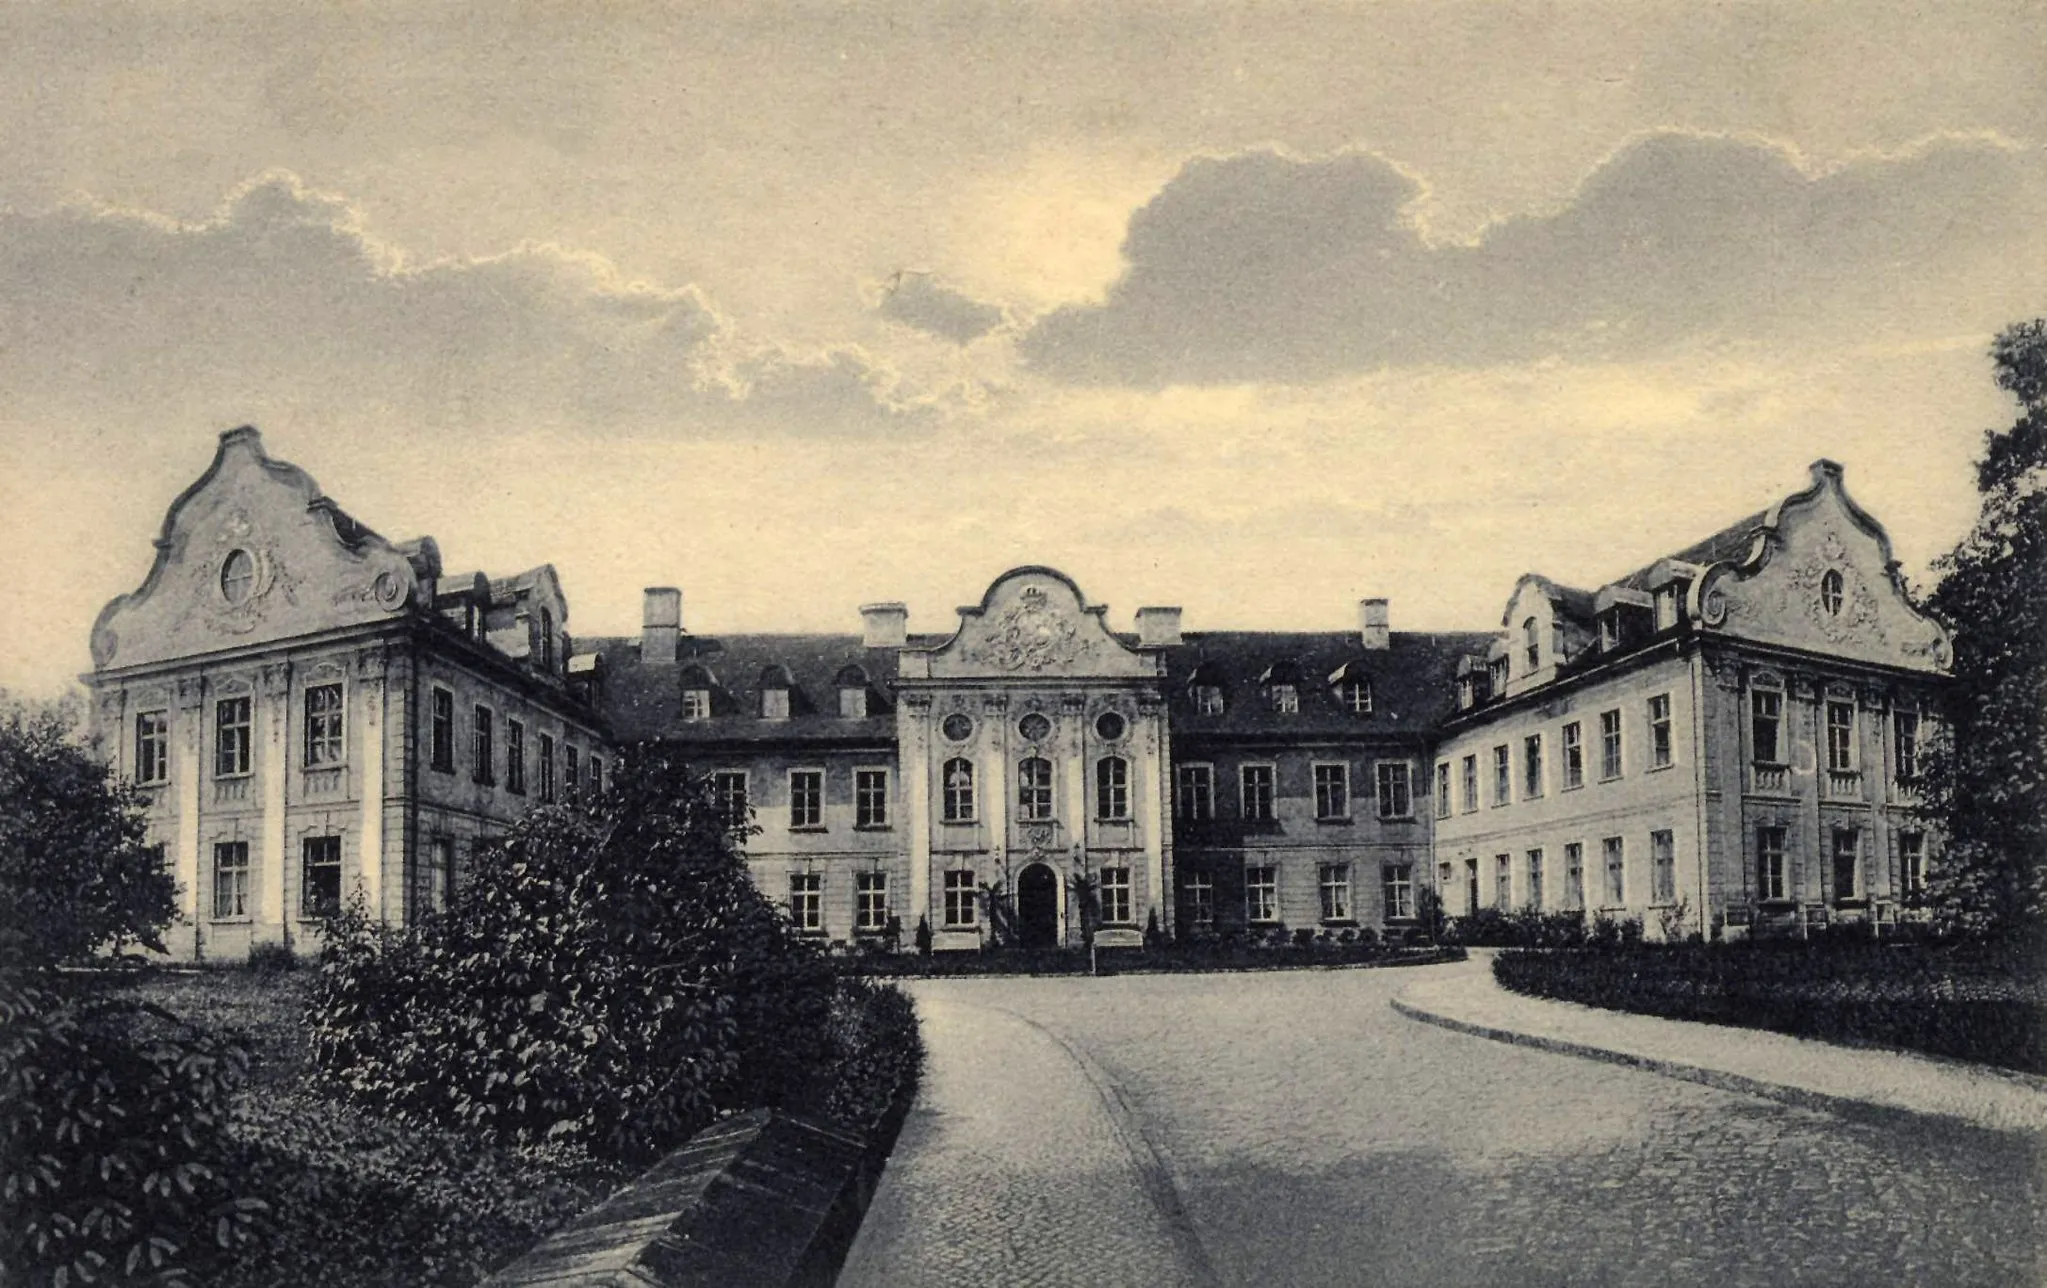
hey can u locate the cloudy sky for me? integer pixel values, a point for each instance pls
(1255, 309)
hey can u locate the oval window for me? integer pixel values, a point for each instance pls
(1110, 726)
(1034, 727)
(957, 726)
(237, 577)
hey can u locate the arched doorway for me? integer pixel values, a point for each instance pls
(1037, 907)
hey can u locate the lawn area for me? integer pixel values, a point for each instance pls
(1960, 1001)
(357, 1199)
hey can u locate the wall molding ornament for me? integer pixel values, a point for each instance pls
(1030, 635)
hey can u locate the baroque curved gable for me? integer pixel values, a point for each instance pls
(252, 552)
(1035, 622)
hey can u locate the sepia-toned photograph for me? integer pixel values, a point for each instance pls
(916, 643)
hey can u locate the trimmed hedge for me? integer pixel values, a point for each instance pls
(1192, 957)
(1964, 1002)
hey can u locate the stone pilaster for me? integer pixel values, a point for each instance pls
(274, 699)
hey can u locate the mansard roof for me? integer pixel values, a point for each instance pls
(644, 700)
(1732, 544)
(1412, 682)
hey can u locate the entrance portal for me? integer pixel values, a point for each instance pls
(1037, 907)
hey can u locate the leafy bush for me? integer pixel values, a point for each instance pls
(273, 959)
(114, 1166)
(1948, 1000)
(876, 1058)
(1491, 928)
(610, 977)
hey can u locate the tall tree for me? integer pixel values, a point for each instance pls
(1989, 781)
(75, 875)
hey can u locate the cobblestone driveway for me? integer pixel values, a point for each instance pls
(1316, 1137)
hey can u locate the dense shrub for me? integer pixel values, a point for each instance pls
(1189, 956)
(608, 976)
(1950, 1000)
(272, 959)
(1491, 928)
(876, 1058)
(114, 1165)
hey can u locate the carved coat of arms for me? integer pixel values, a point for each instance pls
(1031, 636)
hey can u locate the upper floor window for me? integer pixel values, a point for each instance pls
(515, 757)
(1906, 727)
(1660, 749)
(1356, 696)
(870, 798)
(231, 737)
(323, 725)
(1503, 775)
(1208, 699)
(1257, 792)
(806, 798)
(959, 790)
(1831, 592)
(481, 751)
(1332, 791)
(153, 747)
(1574, 755)
(546, 769)
(1286, 699)
(1609, 744)
(1396, 798)
(728, 792)
(1112, 787)
(237, 577)
(1841, 736)
(1531, 645)
(1766, 714)
(1194, 795)
(1443, 789)
(1034, 789)
(696, 704)
(1531, 766)
(1470, 783)
(443, 732)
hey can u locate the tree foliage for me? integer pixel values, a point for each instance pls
(75, 875)
(1989, 780)
(608, 975)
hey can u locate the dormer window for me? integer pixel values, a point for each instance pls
(1286, 699)
(1208, 699)
(1496, 675)
(1557, 652)
(1282, 681)
(1531, 644)
(1610, 630)
(696, 704)
(547, 641)
(852, 686)
(774, 704)
(1467, 691)
(1666, 606)
(1356, 696)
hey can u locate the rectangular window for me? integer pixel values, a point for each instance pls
(1194, 791)
(481, 753)
(870, 901)
(1531, 766)
(572, 770)
(515, 756)
(1766, 715)
(1503, 775)
(596, 774)
(1615, 852)
(870, 798)
(1609, 744)
(230, 879)
(1470, 783)
(959, 897)
(231, 739)
(1332, 791)
(806, 902)
(728, 791)
(1034, 789)
(1772, 882)
(1286, 699)
(547, 768)
(1847, 863)
(153, 747)
(959, 791)
(853, 703)
(1112, 788)
(443, 732)
(1334, 880)
(1905, 725)
(1443, 789)
(1662, 868)
(1841, 736)
(1660, 750)
(1258, 792)
(440, 875)
(1912, 862)
(1398, 879)
(1503, 881)
(1197, 900)
(1394, 788)
(1208, 700)
(806, 798)
(320, 876)
(1574, 755)
(696, 704)
(1574, 875)
(323, 726)
(1535, 880)
(774, 704)
(1261, 894)
(1116, 896)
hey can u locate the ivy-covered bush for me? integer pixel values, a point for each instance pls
(607, 975)
(114, 1163)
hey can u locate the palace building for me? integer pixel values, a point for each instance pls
(1725, 739)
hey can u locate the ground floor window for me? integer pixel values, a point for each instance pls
(440, 875)
(1399, 881)
(1770, 876)
(1197, 900)
(959, 897)
(1912, 862)
(870, 901)
(1615, 851)
(1847, 863)
(1535, 880)
(1662, 868)
(806, 901)
(1503, 881)
(1334, 879)
(1116, 896)
(1261, 894)
(230, 879)
(320, 877)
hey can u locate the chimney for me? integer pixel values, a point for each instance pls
(661, 624)
(1372, 624)
(1158, 627)
(884, 625)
